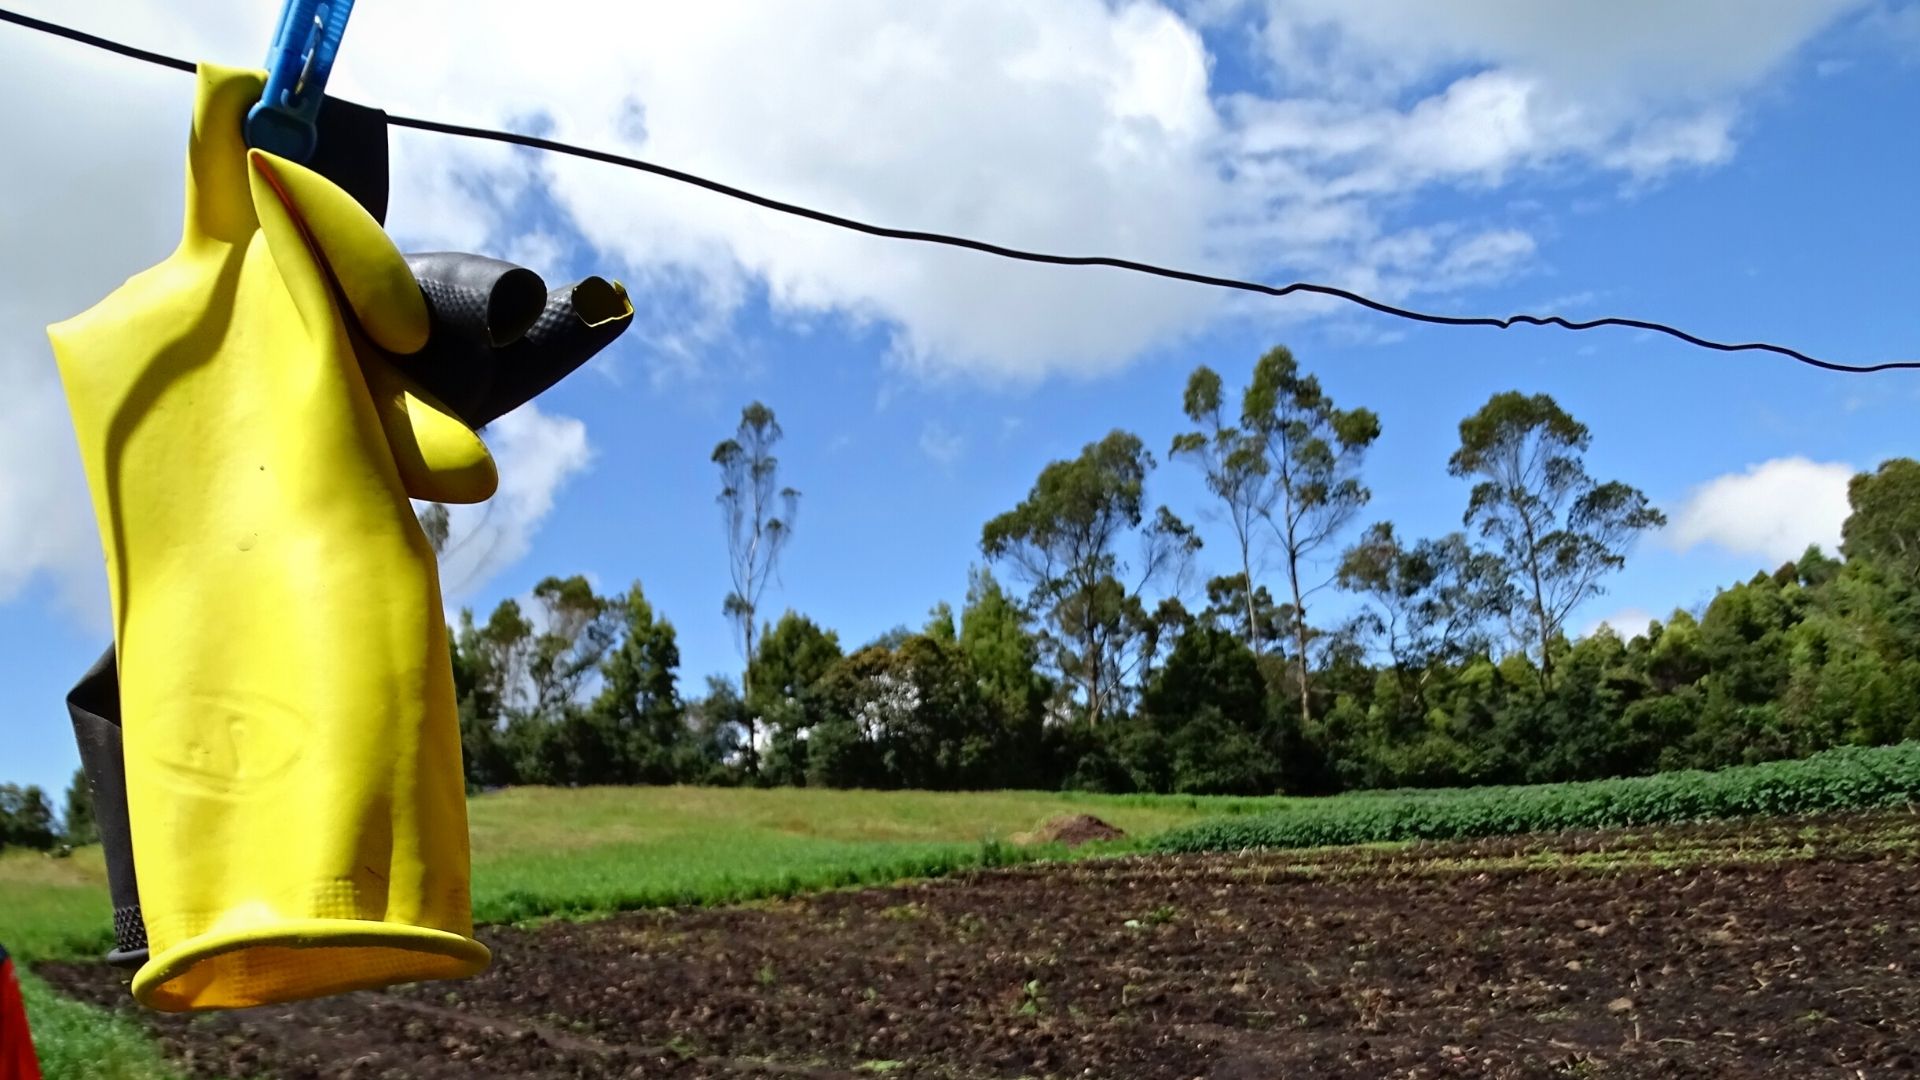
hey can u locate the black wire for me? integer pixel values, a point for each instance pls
(670, 173)
(917, 236)
(85, 38)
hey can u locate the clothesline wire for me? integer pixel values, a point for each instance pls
(998, 250)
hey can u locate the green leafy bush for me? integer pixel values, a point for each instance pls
(1849, 778)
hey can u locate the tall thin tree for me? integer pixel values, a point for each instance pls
(1313, 451)
(1234, 463)
(1428, 604)
(1558, 529)
(437, 524)
(758, 515)
(1064, 540)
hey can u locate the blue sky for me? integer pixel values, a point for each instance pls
(1738, 173)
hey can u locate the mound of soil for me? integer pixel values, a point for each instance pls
(1073, 830)
(1720, 953)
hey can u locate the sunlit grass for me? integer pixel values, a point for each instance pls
(84, 1043)
(543, 851)
(53, 907)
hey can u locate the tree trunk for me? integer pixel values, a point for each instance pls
(1090, 656)
(1539, 605)
(1299, 634)
(1246, 582)
(746, 700)
(1546, 650)
(1095, 661)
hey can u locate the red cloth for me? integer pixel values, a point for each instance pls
(17, 1059)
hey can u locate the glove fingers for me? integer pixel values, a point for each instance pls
(217, 154)
(579, 320)
(321, 238)
(481, 301)
(439, 457)
(477, 304)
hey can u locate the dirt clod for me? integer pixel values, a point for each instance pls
(1073, 830)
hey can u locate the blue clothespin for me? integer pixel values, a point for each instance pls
(297, 69)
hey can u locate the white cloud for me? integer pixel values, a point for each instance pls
(943, 446)
(82, 215)
(1628, 622)
(1381, 99)
(72, 228)
(1068, 125)
(537, 454)
(1773, 510)
(539, 251)
(1074, 125)
(1630, 48)
(1704, 138)
(45, 527)
(1486, 253)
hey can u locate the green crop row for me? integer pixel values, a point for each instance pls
(1849, 778)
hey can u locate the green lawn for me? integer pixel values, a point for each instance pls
(54, 907)
(544, 851)
(540, 851)
(58, 907)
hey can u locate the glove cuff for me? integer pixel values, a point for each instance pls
(301, 958)
(129, 938)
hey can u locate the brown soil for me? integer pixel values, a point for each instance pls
(1724, 952)
(1073, 830)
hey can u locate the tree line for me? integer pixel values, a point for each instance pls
(1090, 653)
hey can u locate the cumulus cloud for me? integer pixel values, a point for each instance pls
(44, 526)
(1382, 99)
(1772, 510)
(1631, 49)
(84, 214)
(1069, 125)
(1073, 125)
(537, 455)
(72, 227)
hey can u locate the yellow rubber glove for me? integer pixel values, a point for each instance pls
(291, 743)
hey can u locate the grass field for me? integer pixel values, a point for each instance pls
(57, 907)
(542, 851)
(1763, 947)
